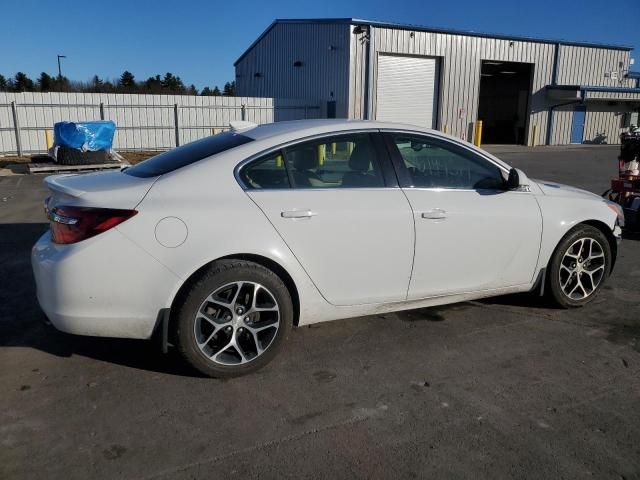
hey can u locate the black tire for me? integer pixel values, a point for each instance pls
(71, 156)
(556, 293)
(220, 274)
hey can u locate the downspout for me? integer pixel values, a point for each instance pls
(367, 72)
(554, 81)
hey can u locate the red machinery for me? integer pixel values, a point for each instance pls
(625, 190)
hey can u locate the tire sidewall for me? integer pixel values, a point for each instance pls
(584, 231)
(210, 282)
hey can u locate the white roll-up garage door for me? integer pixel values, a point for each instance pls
(407, 90)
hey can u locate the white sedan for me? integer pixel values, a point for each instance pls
(223, 245)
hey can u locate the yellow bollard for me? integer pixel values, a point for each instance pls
(349, 147)
(333, 148)
(477, 140)
(321, 152)
(534, 136)
(48, 138)
(213, 131)
(446, 127)
(279, 161)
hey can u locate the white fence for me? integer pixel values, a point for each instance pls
(144, 122)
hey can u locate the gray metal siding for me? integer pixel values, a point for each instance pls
(461, 57)
(323, 50)
(562, 119)
(593, 66)
(342, 69)
(615, 96)
(603, 122)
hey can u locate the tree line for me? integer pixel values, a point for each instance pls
(127, 83)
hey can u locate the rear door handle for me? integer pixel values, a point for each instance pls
(435, 214)
(302, 213)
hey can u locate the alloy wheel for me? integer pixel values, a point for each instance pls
(582, 268)
(237, 323)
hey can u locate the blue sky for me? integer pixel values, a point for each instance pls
(199, 40)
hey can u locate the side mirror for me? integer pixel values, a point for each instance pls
(513, 181)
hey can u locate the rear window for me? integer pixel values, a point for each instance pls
(187, 154)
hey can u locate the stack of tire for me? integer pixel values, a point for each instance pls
(71, 156)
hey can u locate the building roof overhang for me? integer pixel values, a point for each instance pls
(419, 28)
(581, 93)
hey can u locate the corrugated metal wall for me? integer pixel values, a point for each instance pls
(335, 60)
(562, 118)
(323, 50)
(603, 125)
(144, 122)
(614, 96)
(461, 57)
(593, 66)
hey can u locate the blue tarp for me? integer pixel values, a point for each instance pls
(85, 136)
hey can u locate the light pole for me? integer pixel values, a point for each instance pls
(59, 69)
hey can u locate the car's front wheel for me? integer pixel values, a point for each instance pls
(234, 319)
(579, 266)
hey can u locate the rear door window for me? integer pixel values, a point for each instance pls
(187, 154)
(347, 161)
(266, 173)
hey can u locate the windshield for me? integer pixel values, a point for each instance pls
(187, 154)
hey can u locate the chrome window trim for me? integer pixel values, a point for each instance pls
(445, 189)
(257, 156)
(322, 189)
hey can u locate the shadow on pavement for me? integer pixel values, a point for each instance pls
(22, 323)
(529, 300)
(627, 235)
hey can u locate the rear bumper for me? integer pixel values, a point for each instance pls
(105, 286)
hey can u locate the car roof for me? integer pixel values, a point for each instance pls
(303, 128)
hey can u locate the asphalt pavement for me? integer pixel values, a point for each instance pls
(503, 388)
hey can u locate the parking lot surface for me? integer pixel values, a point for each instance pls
(503, 388)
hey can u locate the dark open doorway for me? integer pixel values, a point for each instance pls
(504, 101)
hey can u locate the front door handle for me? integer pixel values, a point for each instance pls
(435, 214)
(302, 213)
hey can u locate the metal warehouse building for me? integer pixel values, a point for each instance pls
(524, 90)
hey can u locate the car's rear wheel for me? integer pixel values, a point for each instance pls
(579, 266)
(234, 319)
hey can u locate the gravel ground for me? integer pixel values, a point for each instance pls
(503, 388)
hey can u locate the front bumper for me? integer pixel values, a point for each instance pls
(104, 286)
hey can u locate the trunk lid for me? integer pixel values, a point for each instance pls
(113, 189)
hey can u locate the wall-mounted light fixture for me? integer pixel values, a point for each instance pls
(297, 63)
(257, 75)
(358, 29)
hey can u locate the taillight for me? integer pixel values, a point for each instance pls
(73, 224)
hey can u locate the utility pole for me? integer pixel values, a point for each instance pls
(59, 69)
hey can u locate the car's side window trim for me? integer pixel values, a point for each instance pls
(384, 158)
(401, 170)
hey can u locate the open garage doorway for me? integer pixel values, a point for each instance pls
(504, 101)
